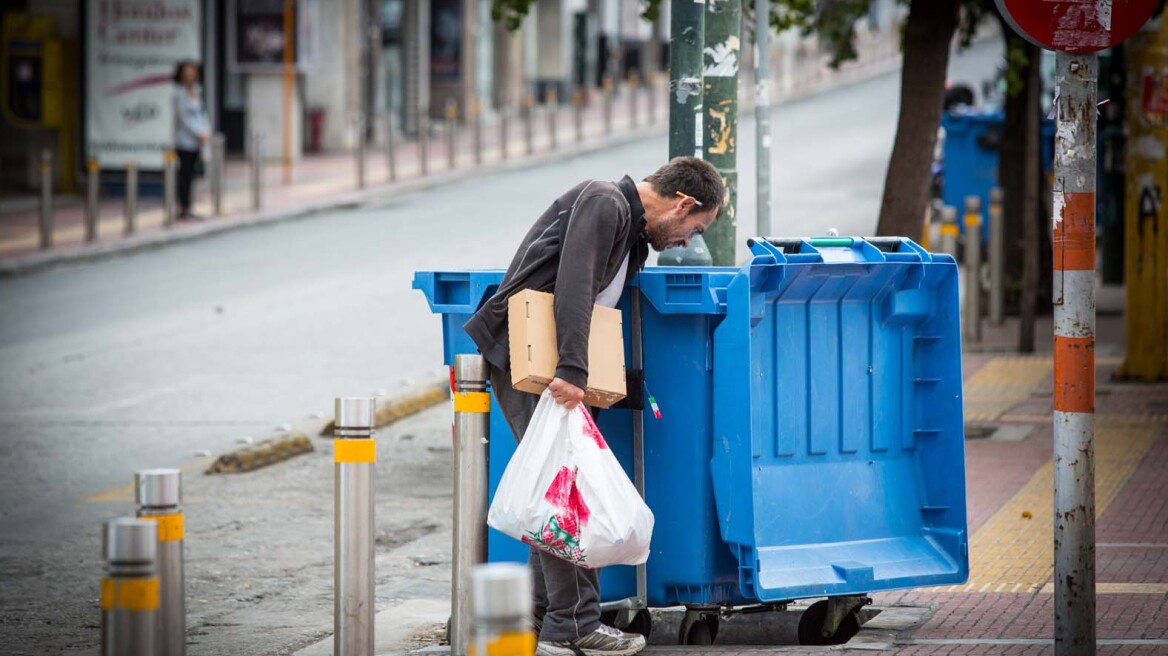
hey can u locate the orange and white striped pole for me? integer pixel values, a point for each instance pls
(1074, 354)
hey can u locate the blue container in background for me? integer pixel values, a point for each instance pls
(811, 440)
(973, 140)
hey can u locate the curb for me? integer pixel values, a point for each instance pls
(390, 409)
(371, 197)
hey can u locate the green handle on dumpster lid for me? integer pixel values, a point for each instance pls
(792, 245)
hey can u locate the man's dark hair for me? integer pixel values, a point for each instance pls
(178, 69)
(692, 177)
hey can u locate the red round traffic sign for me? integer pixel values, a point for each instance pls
(1077, 25)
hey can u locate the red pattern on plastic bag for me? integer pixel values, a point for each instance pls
(590, 428)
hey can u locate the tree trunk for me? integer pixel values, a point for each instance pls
(1011, 170)
(927, 36)
(1031, 217)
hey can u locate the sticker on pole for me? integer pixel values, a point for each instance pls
(1077, 26)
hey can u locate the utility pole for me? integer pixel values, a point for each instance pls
(721, 57)
(762, 115)
(686, 91)
(687, 24)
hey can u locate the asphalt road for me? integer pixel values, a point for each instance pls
(145, 360)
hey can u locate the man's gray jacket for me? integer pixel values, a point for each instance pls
(574, 250)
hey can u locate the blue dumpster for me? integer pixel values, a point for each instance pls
(973, 141)
(811, 441)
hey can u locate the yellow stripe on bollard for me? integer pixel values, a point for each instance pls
(972, 219)
(170, 526)
(508, 644)
(107, 594)
(130, 594)
(361, 450)
(472, 402)
(949, 229)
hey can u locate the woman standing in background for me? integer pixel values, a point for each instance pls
(192, 129)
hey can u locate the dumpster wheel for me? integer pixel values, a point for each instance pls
(698, 627)
(639, 622)
(814, 629)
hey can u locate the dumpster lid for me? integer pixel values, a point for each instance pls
(838, 460)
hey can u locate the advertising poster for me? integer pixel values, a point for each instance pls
(131, 50)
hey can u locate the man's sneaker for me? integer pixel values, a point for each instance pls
(604, 641)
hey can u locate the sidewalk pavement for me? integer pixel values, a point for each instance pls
(330, 181)
(1007, 606)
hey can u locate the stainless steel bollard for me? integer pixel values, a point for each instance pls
(131, 206)
(257, 170)
(218, 172)
(354, 455)
(634, 89)
(949, 230)
(424, 144)
(651, 92)
(528, 118)
(552, 103)
(578, 114)
(476, 115)
(361, 150)
(92, 199)
(129, 591)
(502, 609)
(608, 93)
(451, 132)
(391, 146)
(169, 187)
(973, 268)
(158, 493)
(997, 258)
(504, 119)
(472, 407)
(46, 217)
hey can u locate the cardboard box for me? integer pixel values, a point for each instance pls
(534, 356)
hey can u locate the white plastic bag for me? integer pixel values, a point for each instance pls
(565, 493)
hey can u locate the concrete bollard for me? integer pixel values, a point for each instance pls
(361, 151)
(158, 493)
(451, 129)
(391, 146)
(257, 170)
(354, 455)
(973, 268)
(129, 591)
(472, 407)
(578, 114)
(502, 608)
(46, 207)
(528, 118)
(608, 93)
(949, 230)
(169, 187)
(218, 172)
(997, 258)
(476, 115)
(92, 199)
(424, 144)
(552, 102)
(130, 208)
(634, 91)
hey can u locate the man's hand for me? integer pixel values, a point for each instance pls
(565, 393)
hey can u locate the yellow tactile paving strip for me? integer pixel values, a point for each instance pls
(1002, 384)
(1011, 553)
